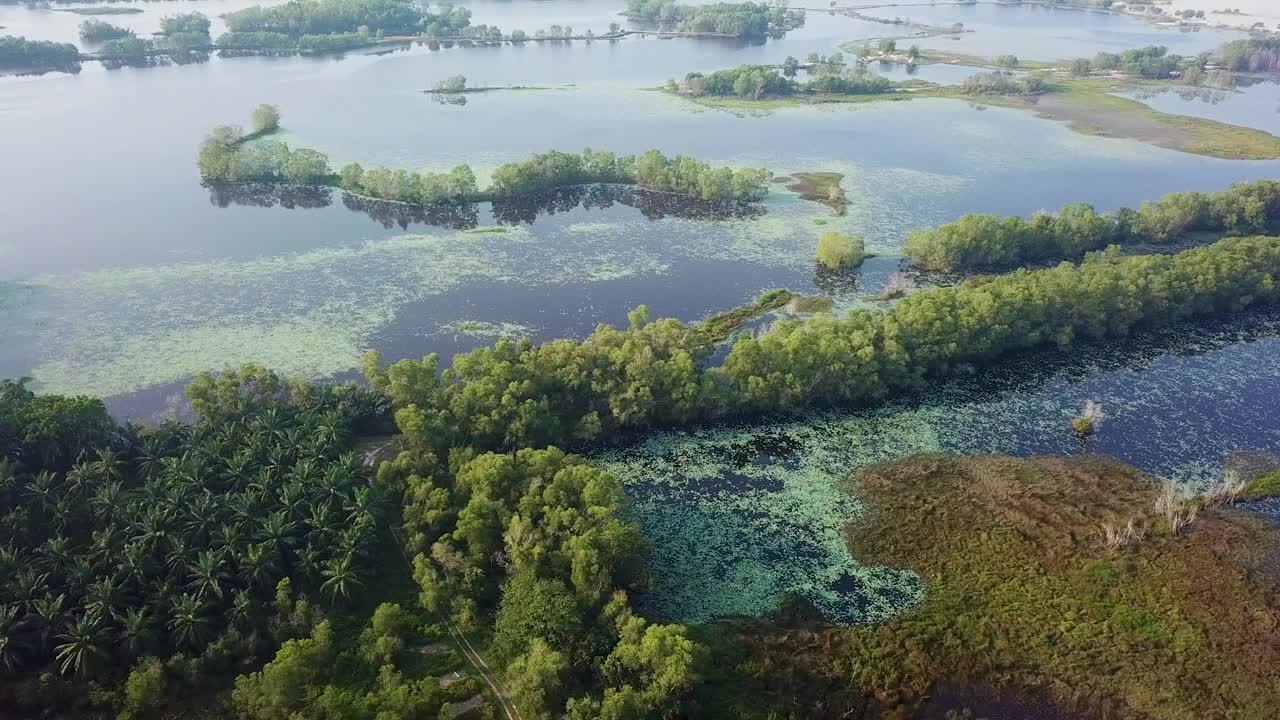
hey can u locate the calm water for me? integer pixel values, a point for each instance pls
(1253, 104)
(1040, 33)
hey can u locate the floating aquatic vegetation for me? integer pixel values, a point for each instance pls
(310, 314)
(738, 517)
(487, 330)
(594, 228)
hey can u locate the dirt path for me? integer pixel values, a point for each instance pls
(375, 451)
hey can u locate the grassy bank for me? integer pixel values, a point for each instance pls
(819, 187)
(1024, 594)
(718, 327)
(1087, 105)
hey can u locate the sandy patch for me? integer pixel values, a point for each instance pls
(1254, 11)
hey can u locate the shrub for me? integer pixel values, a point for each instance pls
(266, 118)
(838, 250)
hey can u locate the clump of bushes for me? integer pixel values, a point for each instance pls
(1002, 83)
(1088, 422)
(837, 250)
(95, 30)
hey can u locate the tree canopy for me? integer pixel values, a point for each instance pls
(987, 240)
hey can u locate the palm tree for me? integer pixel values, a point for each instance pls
(340, 577)
(365, 501)
(180, 555)
(79, 575)
(135, 563)
(293, 497)
(203, 512)
(43, 489)
(238, 468)
(231, 537)
(138, 631)
(151, 455)
(257, 566)
(8, 560)
(105, 597)
(323, 521)
(84, 644)
(188, 623)
(29, 584)
(110, 465)
(207, 574)
(270, 421)
(12, 637)
(276, 532)
(56, 551)
(18, 520)
(47, 612)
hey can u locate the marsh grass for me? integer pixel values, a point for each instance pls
(1021, 594)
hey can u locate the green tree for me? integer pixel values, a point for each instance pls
(534, 608)
(535, 681)
(266, 118)
(838, 250)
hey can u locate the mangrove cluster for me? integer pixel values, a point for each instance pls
(1259, 53)
(320, 25)
(976, 241)
(518, 394)
(830, 77)
(19, 53)
(1003, 83)
(1153, 63)
(745, 19)
(228, 155)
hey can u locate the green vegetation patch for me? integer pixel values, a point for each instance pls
(486, 329)
(1263, 487)
(740, 519)
(718, 327)
(820, 187)
(1022, 591)
(1088, 105)
(102, 10)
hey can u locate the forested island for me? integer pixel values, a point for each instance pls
(18, 53)
(988, 241)
(746, 19)
(228, 155)
(829, 77)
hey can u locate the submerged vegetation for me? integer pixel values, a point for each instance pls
(821, 187)
(977, 241)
